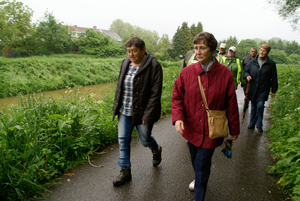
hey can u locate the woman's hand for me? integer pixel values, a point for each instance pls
(249, 78)
(144, 122)
(234, 137)
(272, 95)
(179, 126)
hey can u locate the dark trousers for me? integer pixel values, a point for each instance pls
(201, 160)
(257, 113)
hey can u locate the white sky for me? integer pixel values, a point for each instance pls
(245, 19)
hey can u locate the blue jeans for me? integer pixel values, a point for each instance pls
(257, 113)
(201, 160)
(125, 128)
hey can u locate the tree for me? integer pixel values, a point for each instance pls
(288, 10)
(292, 48)
(95, 43)
(52, 35)
(187, 38)
(279, 56)
(178, 44)
(124, 30)
(15, 24)
(127, 31)
(195, 30)
(243, 48)
(293, 59)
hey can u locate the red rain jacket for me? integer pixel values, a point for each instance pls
(188, 106)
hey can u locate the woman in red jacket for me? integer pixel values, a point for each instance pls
(188, 110)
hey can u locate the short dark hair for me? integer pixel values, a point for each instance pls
(208, 39)
(137, 42)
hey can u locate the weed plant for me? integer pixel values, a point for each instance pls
(41, 139)
(285, 132)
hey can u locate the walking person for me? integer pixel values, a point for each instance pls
(189, 113)
(137, 104)
(234, 64)
(245, 61)
(189, 58)
(261, 72)
(221, 53)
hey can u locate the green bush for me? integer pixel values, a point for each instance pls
(293, 59)
(285, 131)
(279, 56)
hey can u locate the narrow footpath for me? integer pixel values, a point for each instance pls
(242, 178)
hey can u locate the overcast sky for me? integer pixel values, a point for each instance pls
(245, 19)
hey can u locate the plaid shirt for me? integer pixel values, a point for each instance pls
(126, 108)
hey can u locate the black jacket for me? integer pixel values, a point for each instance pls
(146, 92)
(262, 79)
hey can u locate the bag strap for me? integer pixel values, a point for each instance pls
(202, 92)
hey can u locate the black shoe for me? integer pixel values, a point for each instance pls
(157, 157)
(250, 126)
(124, 176)
(260, 130)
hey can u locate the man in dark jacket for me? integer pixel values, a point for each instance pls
(246, 59)
(262, 74)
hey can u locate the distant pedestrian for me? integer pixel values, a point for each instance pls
(245, 61)
(234, 65)
(189, 58)
(137, 104)
(189, 113)
(261, 72)
(221, 53)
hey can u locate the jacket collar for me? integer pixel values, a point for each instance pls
(212, 70)
(256, 59)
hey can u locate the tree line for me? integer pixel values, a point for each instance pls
(50, 36)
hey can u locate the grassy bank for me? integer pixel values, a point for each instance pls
(41, 139)
(285, 132)
(46, 73)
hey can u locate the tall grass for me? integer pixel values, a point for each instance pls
(285, 132)
(46, 73)
(41, 139)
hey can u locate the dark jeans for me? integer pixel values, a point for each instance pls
(201, 160)
(257, 113)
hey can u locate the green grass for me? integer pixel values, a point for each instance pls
(41, 139)
(285, 132)
(46, 73)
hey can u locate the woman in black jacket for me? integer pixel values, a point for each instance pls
(137, 103)
(262, 74)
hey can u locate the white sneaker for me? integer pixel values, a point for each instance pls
(192, 186)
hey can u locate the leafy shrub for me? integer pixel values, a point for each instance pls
(279, 56)
(285, 132)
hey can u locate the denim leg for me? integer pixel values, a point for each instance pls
(253, 115)
(145, 136)
(124, 137)
(260, 113)
(201, 160)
